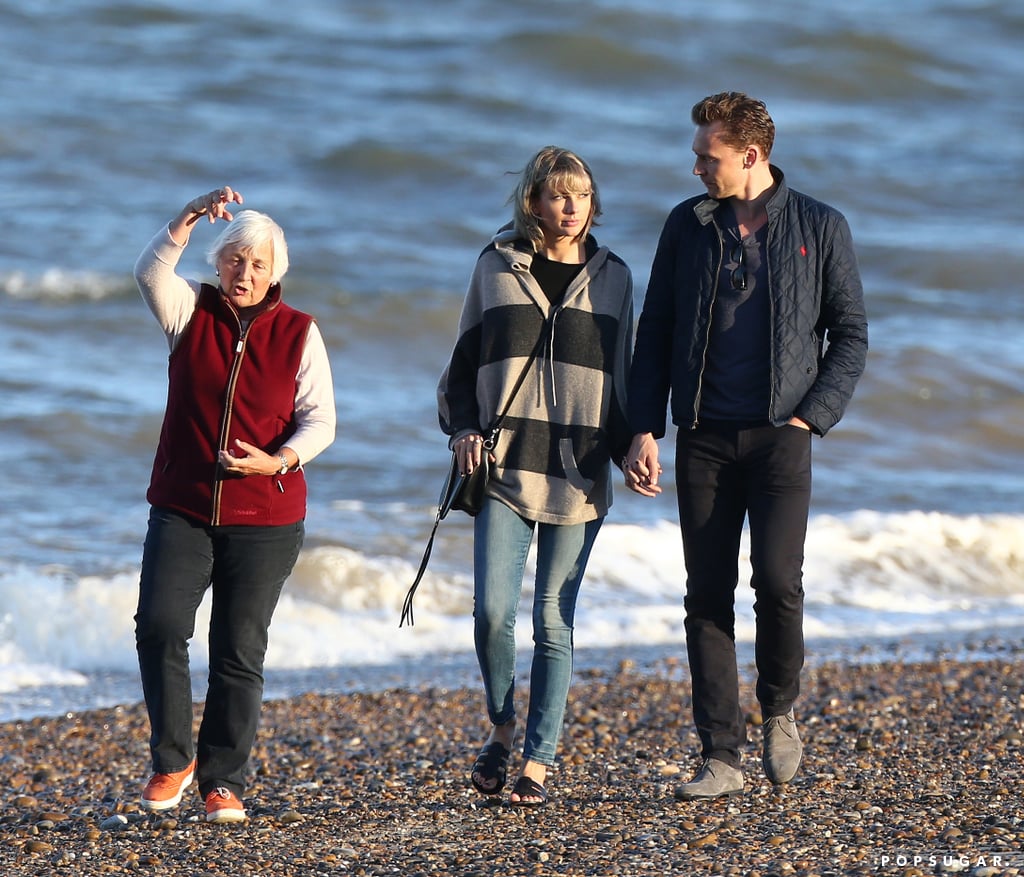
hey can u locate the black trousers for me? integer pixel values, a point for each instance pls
(727, 473)
(246, 567)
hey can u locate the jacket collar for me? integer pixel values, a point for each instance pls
(706, 208)
(269, 303)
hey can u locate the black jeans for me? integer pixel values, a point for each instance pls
(247, 567)
(726, 473)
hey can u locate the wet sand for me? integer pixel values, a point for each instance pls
(909, 768)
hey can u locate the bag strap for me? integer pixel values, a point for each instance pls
(493, 431)
(407, 605)
(448, 490)
(444, 504)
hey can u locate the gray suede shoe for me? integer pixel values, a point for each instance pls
(782, 748)
(715, 779)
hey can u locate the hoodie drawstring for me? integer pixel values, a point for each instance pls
(550, 357)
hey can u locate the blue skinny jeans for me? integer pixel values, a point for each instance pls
(501, 544)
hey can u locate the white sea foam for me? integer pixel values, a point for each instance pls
(55, 284)
(866, 574)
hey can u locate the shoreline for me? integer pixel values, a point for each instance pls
(909, 768)
(459, 669)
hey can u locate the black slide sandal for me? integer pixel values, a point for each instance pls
(527, 788)
(491, 764)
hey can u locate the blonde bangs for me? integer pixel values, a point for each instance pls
(570, 181)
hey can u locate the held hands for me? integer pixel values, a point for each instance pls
(252, 461)
(641, 467)
(642, 470)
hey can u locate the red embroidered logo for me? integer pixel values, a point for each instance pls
(803, 250)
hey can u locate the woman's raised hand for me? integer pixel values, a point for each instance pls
(215, 204)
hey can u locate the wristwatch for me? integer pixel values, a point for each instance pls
(285, 465)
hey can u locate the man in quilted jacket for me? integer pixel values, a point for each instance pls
(754, 324)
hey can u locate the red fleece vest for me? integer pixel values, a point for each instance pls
(225, 385)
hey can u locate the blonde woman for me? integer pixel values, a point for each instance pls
(542, 286)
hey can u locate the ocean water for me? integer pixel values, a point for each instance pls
(384, 138)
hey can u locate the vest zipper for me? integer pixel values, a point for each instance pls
(225, 423)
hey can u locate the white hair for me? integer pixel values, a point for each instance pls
(250, 230)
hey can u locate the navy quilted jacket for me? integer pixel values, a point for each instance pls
(819, 334)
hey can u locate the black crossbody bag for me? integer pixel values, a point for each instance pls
(466, 492)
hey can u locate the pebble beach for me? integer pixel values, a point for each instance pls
(910, 768)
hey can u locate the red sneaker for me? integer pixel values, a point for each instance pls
(164, 790)
(223, 805)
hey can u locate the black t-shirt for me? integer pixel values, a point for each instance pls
(554, 277)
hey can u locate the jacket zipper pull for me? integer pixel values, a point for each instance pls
(238, 347)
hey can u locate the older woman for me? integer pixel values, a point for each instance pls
(543, 278)
(250, 401)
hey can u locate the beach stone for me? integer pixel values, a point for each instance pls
(376, 810)
(44, 774)
(117, 822)
(51, 816)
